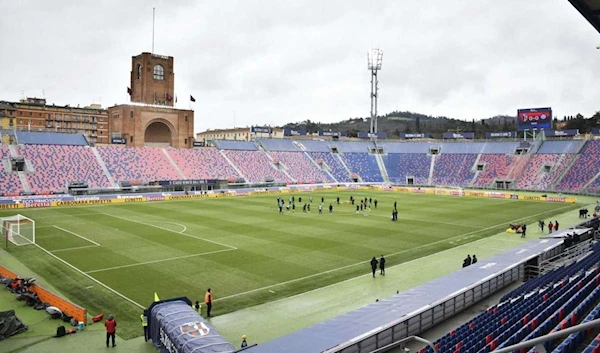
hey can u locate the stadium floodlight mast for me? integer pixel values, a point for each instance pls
(374, 59)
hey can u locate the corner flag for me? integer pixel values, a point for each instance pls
(156, 297)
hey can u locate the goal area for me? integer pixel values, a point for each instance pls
(449, 190)
(18, 229)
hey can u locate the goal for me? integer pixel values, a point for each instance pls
(449, 190)
(18, 229)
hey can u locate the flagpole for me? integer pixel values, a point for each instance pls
(153, 15)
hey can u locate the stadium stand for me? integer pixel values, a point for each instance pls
(559, 147)
(454, 169)
(203, 163)
(235, 145)
(353, 147)
(256, 166)
(572, 164)
(278, 145)
(316, 146)
(534, 177)
(363, 164)
(497, 166)
(58, 165)
(405, 147)
(336, 168)
(557, 300)
(301, 168)
(10, 185)
(402, 165)
(50, 138)
(137, 164)
(584, 168)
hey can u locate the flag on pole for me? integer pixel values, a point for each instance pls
(129, 91)
(192, 98)
(156, 299)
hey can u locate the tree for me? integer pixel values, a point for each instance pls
(418, 123)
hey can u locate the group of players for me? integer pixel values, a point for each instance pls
(362, 205)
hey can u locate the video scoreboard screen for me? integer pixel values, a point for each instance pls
(534, 119)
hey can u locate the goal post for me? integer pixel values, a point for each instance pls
(18, 229)
(449, 190)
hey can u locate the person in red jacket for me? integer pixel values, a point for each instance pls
(111, 329)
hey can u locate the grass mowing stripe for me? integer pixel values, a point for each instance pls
(90, 277)
(172, 231)
(389, 255)
(77, 235)
(158, 261)
(74, 248)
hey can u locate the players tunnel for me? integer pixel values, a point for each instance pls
(159, 133)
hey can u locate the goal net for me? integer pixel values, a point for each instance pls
(18, 229)
(449, 190)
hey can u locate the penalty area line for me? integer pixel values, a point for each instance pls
(91, 278)
(170, 230)
(158, 261)
(77, 235)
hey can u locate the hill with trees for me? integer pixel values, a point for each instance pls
(398, 122)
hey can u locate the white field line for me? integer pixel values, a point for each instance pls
(74, 248)
(172, 231)
(91, 278)
(388, 255)
(77, 235)
(158, 261)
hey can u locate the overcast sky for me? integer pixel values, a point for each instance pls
(273, 62)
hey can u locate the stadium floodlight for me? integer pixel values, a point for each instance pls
(374, 61)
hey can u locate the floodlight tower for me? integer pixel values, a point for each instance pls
(374, 59)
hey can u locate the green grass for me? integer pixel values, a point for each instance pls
(243, 249)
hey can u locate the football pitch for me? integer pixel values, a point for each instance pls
(113, 258)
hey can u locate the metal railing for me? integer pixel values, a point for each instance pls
(538, 342)
(404, 340)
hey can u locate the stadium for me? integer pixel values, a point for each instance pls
(290, 233)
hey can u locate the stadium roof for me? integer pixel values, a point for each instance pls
(590, 9)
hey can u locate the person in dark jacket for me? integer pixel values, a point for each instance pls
(474, 260)
(374, 266)
(382, 266)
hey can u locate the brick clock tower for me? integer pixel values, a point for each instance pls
(151, 118)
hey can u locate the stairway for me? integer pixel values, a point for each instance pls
(175, 166)
(13, 151)
(283, 170)
(565, 171)
(472, 182)
(320, 168)
(382, 169)
(339, 157)
(431, 167)
(103, 167)
(24, 182)
(232, 165)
